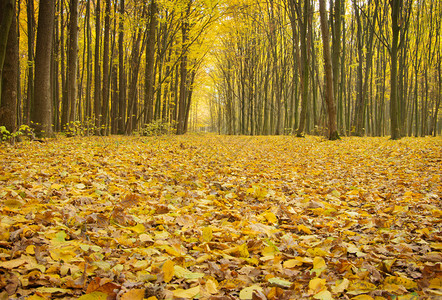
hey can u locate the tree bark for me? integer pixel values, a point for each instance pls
(6, 17)
(72, 61)
(331, 108)
(9, 75)
(41, 114)
(150, 63)
(121, 74)
(395, 10)
(105, 91)
(97, 71)
(302, 21)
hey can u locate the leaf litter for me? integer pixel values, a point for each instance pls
(221, 217)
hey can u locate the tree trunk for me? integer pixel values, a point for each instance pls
(105, 91)
(331, 109)
(9, 75)
(6, 17)
(72, 61)
(31, 42)
(41, 114)
(150, 64)
(395, 9)
(121, 74)
(302, 20)
(97, 73)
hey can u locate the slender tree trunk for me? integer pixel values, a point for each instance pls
(395, 10)
(97, 71)
(72, 61)
(121, 73)
(150, 64)
(88, 37)
(41, 113)
(31, 43)
(302, 20)
(183, 73)
(105, 88)
(331, 109)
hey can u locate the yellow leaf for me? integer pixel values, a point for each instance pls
(247, 292)
(207, 234)
(436, 283)
(360, 287)
(211, 286)
(11, 264)
(405, 282)
(318, 252)
(341, 286)
(30, 249)
(56, 186)
(304, 229)
(168, 270)
(135, 294)
(139, 228)
(319, 263)
(291, 263)
(189, 293)
(316, 285)
(243, 251)
(94, 296)
(270, 217)
(323, 295)
(362, 297)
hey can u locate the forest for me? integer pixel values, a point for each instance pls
(220, 150)
(332, 68)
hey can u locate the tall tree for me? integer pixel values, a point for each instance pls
(303, 12)
(9, 72)
(150, 63)
(71, 82)
(6, 17)
(121, 73)
(97, 70)
(329, 96)
(105, 92)
(41, 113)
(396, 8)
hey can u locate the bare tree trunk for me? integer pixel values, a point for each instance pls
(395, 15)
(31, 42)
(41, 113)
(121, 74)
(97, 73)
(105, 91)
(6, 18)
(9, 75)
(72, 61)
(331, 108)
(150, 63)
(302, 20)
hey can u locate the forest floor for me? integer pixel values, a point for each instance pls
(221, 217)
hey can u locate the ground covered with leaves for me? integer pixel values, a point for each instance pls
(219, 217)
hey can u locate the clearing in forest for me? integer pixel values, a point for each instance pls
(221, 217)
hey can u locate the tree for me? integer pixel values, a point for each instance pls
(331, 108)
(9, 70)
(69, 105)
(150, 63)
(6, 17)
(41, 113)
